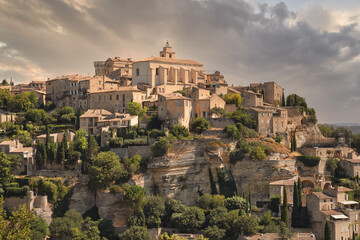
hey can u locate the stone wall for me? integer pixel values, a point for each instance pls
(144, 151)
(220, 122)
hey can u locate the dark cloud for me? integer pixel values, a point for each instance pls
(245, 42)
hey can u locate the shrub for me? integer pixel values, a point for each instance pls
(115, 189)
(160, 147)
(17, 191)
(309, 161)
(278, 139)
(155, 133)
(179, 131)
(200, 125)
(235, 203)
(257, 153)
(13, 184)
(154, 122)
(209, 202)
(190, 220)
(236, 155)
(50, 189)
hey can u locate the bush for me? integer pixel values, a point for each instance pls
(13, 184)
(160, 147)
(235, 203)
(257, 153)
(179, 131)
(236, 155)
(209, 202)
(309, 161)
(17, 191)
(115, 189)
(154, 122)
(190, 220)
(200, 125)
(50, 189)
(155, 133)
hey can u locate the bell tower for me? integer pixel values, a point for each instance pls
(167, 51)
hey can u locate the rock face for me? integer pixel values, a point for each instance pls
(255, 176)
(83, 198)
(114, 207)
(181, 175)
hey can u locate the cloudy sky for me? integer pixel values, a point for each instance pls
(311, 48)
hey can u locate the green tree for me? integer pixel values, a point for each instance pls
(235, 202)
(135, 233)
(247, 225)
(36, 116)
(214, 233)
(135, 108)
(91, 152)
(296, 101)
(17, 225)
(154, 210)
(105, 168)
(190, 220)
(77, 122)
(327, 231)
(331, 165)
(179, 131)
(39, 229)
(210, 202)
(257, 153)
(218, 112)
(160, 147)
(171, 206)
(136, 196)
(285, 209)
(200, 125)
(40, 155)
(5, 97)
(233, 98)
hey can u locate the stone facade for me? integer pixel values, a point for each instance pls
(252, 99)
(270, 121)
(273, 93)
(26, 154)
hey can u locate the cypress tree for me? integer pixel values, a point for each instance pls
(299, 186)
(294, 142)
(65, 142)
(283, 100)
(354, 238)
(285, 209)
(295, 211)
(39, 157)
(60, 154)
(327, 231)
(78, 114)
(250, 201)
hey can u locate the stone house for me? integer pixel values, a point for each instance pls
(252, 99)
(351, 166)
(94, 120)
(270, 120)
(26, 154)
(272, 92)
(72, 90)
(7, 117)
(115, 100)
(332, 205)
(57, 137)
(175, 109)
(88, 121)
(277, 188)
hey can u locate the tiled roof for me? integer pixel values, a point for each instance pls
(119, 89)
(174, 96)
(343, 189)
(171, 60)
(321, 195)
(331, 212)
(285, 182)
(95, 113)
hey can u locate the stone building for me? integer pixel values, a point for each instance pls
(252, 99)
(166, 70)
(175, 109)
(88, 121)
(72, 90)
(270, 120)
(115, 100)
(351, 167)
(26, 154)
(277, 188)
(57, 137)
(272, 92)
(114, 68)
(204, 102)
(333, 205)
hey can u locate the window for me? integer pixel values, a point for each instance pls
(170, 55)
(178, 102)
(137, 72)
(110, 97)
(117, 97)
(104, 98)
(99, 98)
(162, 55)
(123, 97)
(204, 104)
(157, 71)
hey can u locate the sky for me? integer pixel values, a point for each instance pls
(311, 48)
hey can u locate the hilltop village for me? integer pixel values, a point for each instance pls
(159, 149)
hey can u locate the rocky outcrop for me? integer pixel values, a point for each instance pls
(113, 206)
(182, 174)
(83, 198)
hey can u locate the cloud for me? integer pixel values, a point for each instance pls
(314, 52)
